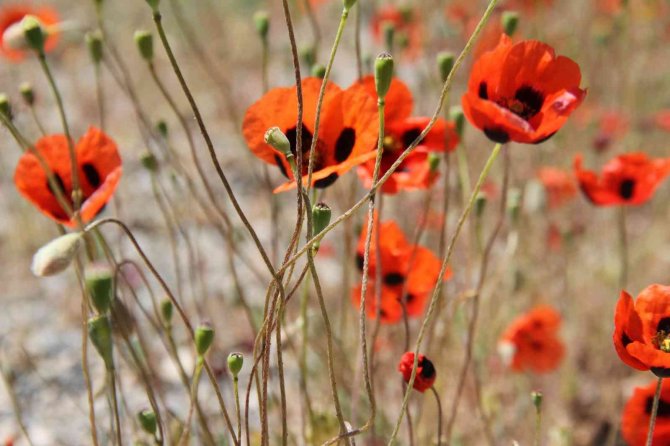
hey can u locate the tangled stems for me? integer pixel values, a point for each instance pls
(436, 292)
(194, 398)
(654, 412)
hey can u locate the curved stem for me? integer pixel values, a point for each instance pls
(439, 415)
(654, 412)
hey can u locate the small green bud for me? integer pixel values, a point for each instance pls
(456, 115)
(536, 397)
(145, 44)
(147, 419)
(445, 62)
(403, 40)
(319, 71)
(406, 13)
(388, 31)
(348, 4)
(94, 43)
(100, 333)
(153, 4)
(480, 204)
(33, 32)
(308, 55)
(321, 214)
(162, 128)
(383, 74)
(5, 107)
(100, 286)
(149, 161)
(434, 161)
(204, 335)
(56, 256)
(262, 24)
(510, 21)
(27, 93)
(167, 310)
(235, 362)
(276, 138)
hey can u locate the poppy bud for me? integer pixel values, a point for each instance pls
(153, 4)
(445, 62)
(383, 74)
(56, 256)
(145, 44)
(5, 107)
(94, 43)
(320, 217)
(262, 24)
(204, 335)
(33, 32)
(536, 397)
(162, 128)
(167, 311)
(319, 71)
(147, 419)
(510, 21)
(434, 161)
(403, 40)
(348, 4)
(388, 31)
(27, 93)
(149, 161)
(514, 204)
(276, 138)
(480, 204)
(100, 332)
(308, 55)
(235, 362)
(425, 371)
(456, 115)
(100, 286)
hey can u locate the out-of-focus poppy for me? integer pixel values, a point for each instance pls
(637, 412)
(347, 132)
(642, 329)
(522, 92)
(406, 24)
(530, 6)
(628, 179)
(400, 130)
(559, 185)
(531, 341)
(662, 120)
(10, 22)
(425, 371)
(99, 172)
(404, 267)
(611, 125)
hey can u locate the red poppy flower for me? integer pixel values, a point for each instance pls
(407, 267)
(522, 92)
(11, 16)
(627, 179)
(99, 172)
(642, 329)
(407, 28)
(401, 129)
(425, 371)
(612, 125)
(662, 120)
(531, 341)
(637, 411)
(558, 184)
(347, 132)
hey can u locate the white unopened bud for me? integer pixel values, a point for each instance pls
(56, 256)
(506, 350)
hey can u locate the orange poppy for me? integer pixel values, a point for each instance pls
(407, 267)
(400, 130)
(99, 172)
(425, 371)
(642, 329)
(612, 125)
(558, 184)
(637, 411)
(662, 120)
(347, 132)
(11, 16)
(406, 24)
(522, 92)
(628, 179)
(531, 341)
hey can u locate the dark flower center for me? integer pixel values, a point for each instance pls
(663, 407)
(526, 103)
(427, 369)
(92, 175)
(393, 279)
(627, 189)
(345, 144)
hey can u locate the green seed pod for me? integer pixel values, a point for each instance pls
(434, 161)
(167, 310)
(319, 71)
(308, 55)
(321, 214)
(149, 161)
(480, 204)
(537, 399)
(262, 24)
(348, 4)
(276, 138)
(145, 44)
(100, 333)
(235, 362)
(94, 43)
(33, 32)
(153, 4)
(445, 62)
(100, 286)
(5, 107)
(383, 74)
(204, 335)
(456, 115)
(27, 93)
(388, 31)
(510, 21)
(147, 419)
(162, 128)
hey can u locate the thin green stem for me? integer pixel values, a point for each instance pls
(654, 412)
(439, 415)
(183, 440)
(623, 246)
(236, 391)
(111, 376)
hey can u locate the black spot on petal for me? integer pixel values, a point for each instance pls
(663, 407)
(392, 279)
(359, 261)
(483, 90)
(345, 144)
(541, 140)
(292, 136)
(427, 369)
(325, 182)
(59, 181)
(409, 136)
(627, 189)
(625, 340)
(496, 135)
(92, 175)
